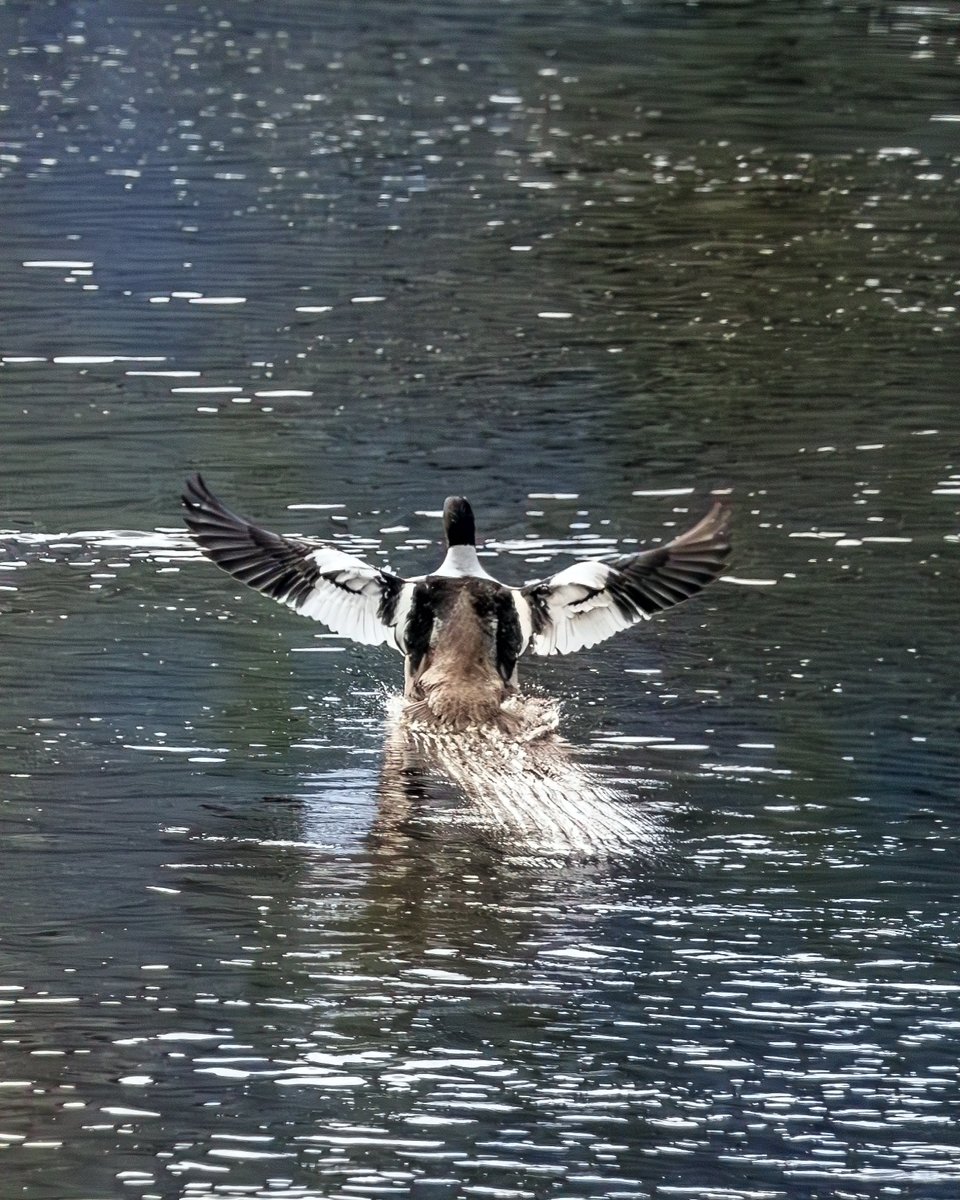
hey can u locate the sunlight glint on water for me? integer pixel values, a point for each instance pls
(586, 265)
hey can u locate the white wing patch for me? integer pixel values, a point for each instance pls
(581, 611)
(347, 598)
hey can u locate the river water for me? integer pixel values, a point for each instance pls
(584, 262)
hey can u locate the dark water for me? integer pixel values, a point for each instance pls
(584, 262)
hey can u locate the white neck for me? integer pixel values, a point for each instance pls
(462, 560)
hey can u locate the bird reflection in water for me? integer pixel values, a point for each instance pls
(524, 793)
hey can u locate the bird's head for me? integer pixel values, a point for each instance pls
(458, 526)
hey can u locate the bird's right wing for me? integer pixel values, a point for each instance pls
(350, 597)
(592, 600)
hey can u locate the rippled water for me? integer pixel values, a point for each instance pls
(583, 262)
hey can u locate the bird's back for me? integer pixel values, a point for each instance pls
(457, 667)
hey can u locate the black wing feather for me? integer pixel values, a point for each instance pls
(346, 594)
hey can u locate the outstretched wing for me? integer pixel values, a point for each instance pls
(592, 600)
(346, 594)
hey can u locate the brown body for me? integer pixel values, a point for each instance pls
(463, 676)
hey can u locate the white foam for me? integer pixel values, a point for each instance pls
(527, 791)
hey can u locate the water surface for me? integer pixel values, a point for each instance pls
(584, 263)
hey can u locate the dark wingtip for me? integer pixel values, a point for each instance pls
(713, 528)
(721, 514)
(194, 490)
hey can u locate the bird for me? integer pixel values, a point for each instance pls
(461, 631)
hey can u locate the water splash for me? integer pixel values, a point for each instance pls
(526, 793)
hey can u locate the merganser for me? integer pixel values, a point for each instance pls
(460, 630)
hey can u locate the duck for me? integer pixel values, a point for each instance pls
(461, 631)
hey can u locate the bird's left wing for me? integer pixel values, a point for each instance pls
(363, 603)
(592, 600)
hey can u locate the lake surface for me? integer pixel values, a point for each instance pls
(584, 262)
